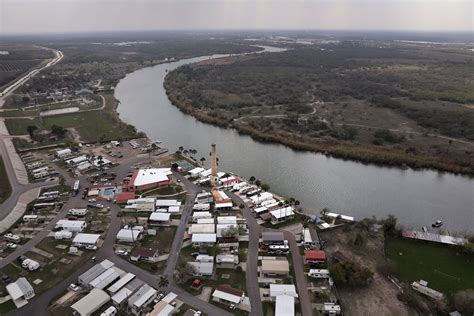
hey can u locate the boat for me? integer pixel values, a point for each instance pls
(437, 224)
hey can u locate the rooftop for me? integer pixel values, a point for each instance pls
(152, 175)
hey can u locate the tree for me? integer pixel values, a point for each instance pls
(164, 282)
(258, 183)
(58, 130)
(464, 301)
(390, 225)
(202, 160)
(30, 129)
(252, 179)
(181, 148)
(468, 248)
(265, 187)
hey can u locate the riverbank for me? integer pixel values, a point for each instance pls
(362, 153)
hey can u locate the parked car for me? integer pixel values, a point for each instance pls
(92, 200)
(11, 245)
(122, 253)
(91, 247)
(6, 279)
(74, 287)
(158, 298)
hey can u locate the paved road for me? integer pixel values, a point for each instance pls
(251, 271)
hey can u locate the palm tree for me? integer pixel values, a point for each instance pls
(151, 149)
(130, 226)
(252, 179)
(181, 148)
(202, 160)
(164, 282)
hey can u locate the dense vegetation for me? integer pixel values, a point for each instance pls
(403, 103)
(5, 188)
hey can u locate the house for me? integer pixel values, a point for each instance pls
(141, 298)
(123, 294)
(200, 215)
(284, 305)
(228, 242)
(227, 295)
(119, 284)
(127, 235)
(88, 276)
(314, 256)
(307, 239)
(227, 261)
(204, 198)
(144, 254)
(91, 302)
(275, 267)
(106, 278)
(161, 309)
(159, 218)
(261, 197)
(146, 179)
(72, 226)
(62, 234)
(282, 289)
(200, 268)
(141, 204)
(85, 240)
(273, 238)
(224, 205)
(203, 240)
(282, 214)
(167, 203)
(202, 229)
(20, 292)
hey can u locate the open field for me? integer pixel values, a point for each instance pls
(395, 106)
(5, 188)
(444, 268)
(91, 126)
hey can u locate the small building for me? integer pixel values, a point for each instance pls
(227, 295)
(284, 305)
(202, 229)
(76, 160)
(261, 197)
(225, 205)
(123, 294)
(227, 220)
(314, 256)
(144, 254)
(196, 171)
(227, 261)
(84, 240)
(159, 218)
(198, 269)
(204, 258)
(167, 203)
(205, 221)
(126, 235)
(282, 214)
(203, 240)
(204, 198)
(106, 278)
(141, 298)
(200, 215)
(275, 267)
(91, 302)
(62, 234)
(202, 207)
(282, 289)
(20, 292)
(63, 153)
(123, 197)
(119, 284)
(72, 226)
(273, 238)
(88, 276)
(161, 309)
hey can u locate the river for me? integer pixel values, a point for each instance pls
(417, 198)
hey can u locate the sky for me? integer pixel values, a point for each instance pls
(64, 16)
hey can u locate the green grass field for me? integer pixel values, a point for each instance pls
(5, 188)
(443, 267)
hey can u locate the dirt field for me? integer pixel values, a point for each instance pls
(379, 298)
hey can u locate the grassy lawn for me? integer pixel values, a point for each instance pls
(236, 279)
(443, 267)
(5, 188)
(92, 126)
(268, 308)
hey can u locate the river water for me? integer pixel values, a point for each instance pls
(417, 198)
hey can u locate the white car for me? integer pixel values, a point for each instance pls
(91, 247)
(74, 287)
(92, 200)
(11, 245)
(122, 253)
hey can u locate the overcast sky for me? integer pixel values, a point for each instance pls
(38, 16)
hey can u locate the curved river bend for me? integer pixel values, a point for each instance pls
(417, 198)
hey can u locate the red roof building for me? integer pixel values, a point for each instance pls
(147, 179)
(314, 256)
(123, 197)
